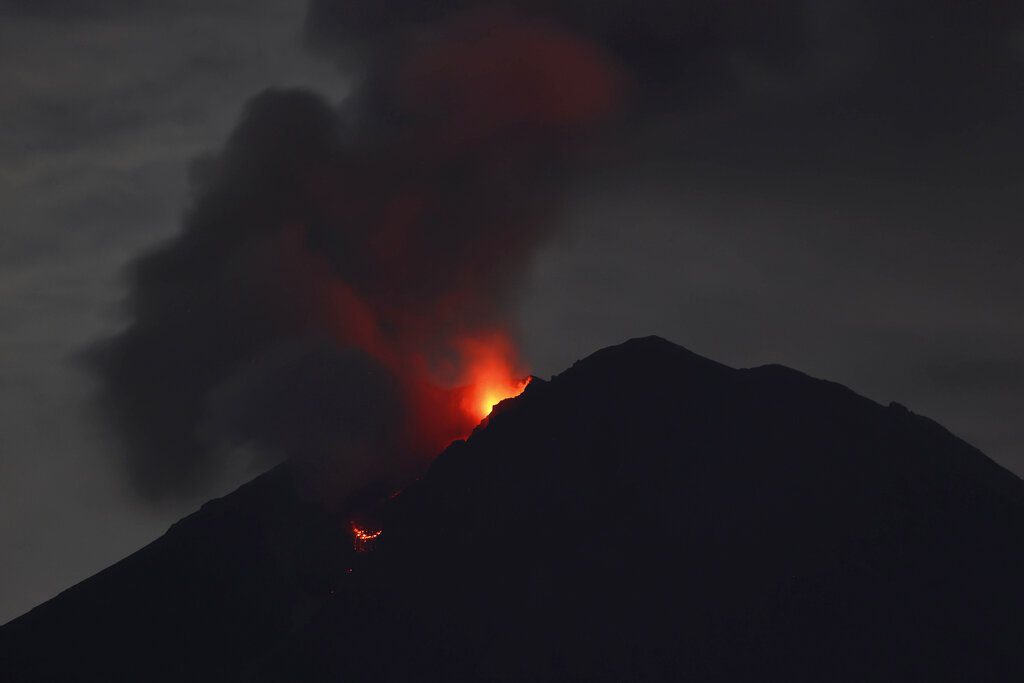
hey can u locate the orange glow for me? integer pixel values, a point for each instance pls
(493, 393)
(491, 375)
(362, 539)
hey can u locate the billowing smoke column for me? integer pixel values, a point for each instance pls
(340, 293)
(341, 290)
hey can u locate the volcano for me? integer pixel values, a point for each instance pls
(648, 514)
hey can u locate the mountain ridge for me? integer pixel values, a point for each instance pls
(647, 514)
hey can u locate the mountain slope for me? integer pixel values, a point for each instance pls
(652, 515)
(646, 515)
(196, 604)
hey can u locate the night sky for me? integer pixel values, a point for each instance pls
(833, 186)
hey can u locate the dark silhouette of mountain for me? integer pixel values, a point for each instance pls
(196, 604)
(646, 515)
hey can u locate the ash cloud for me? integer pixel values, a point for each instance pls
(692, 46)
(334, 258)
(338, 260)
(685, 49)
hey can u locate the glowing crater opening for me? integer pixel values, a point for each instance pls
(491, 374)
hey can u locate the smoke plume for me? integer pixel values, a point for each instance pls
(341, 290)
(342, 285)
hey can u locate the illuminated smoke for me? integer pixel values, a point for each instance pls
(341, 291)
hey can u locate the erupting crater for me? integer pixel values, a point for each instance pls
(483, 397)
(490, 376)
(488, 379)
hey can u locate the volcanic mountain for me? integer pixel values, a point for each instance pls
(648, 514)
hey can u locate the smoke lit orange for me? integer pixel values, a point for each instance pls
(490, 376)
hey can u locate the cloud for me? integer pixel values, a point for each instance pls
(156, 86)
(405, 220)
(397, 227)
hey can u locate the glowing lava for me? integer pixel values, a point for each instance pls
(487, 373)
(491, 375)
(362, 539)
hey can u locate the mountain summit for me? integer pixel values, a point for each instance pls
(648, 514)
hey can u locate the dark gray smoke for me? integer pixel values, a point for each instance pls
(343, 267)
(337, 259)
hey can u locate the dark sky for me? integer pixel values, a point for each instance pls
(834, 186)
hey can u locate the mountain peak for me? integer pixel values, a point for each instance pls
(646, 514)
(647, 351)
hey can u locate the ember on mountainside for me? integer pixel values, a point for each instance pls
(362, 539)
